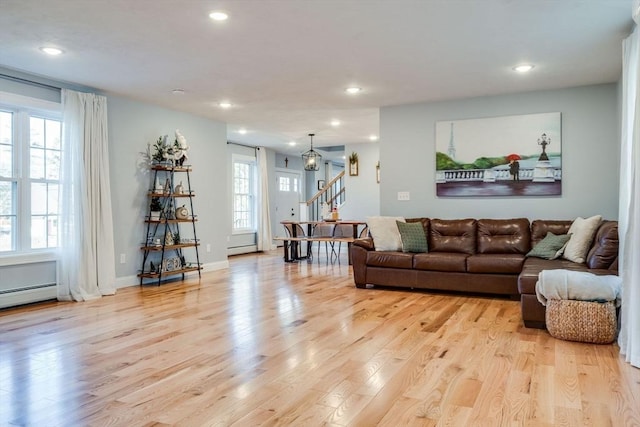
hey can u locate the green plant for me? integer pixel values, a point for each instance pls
(159, 150)
(353, 158)
(155, 205)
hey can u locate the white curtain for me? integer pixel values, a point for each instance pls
(86, 260)
(264, 237)
(629, 216)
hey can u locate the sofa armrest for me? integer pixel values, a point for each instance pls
(365, 243)
(359, 251)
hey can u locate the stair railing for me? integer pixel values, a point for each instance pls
(333, 194)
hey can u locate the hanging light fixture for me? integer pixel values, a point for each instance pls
(311, 158)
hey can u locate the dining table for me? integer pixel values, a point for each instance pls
(292, 242)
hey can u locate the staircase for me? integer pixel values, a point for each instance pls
(332, 194)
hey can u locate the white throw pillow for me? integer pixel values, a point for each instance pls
(582, 232)
(384, 231)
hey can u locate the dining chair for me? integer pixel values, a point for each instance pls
(324, 230)
(342, 230)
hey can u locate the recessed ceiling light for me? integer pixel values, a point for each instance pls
(53, 51)
(242, 131)
(225, 104)
(218, 16)
(178, 91)
(292, 143)
(335, 123)
(524, 68)
(353, 90)
(373, 137)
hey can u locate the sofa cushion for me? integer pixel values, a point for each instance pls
(452, 235)
(389, 259)
(582, 232)
(504, 236)
(604, 252)
(384, 231)
(413, 236)
(540, 228)
(440, 261)
(495, 263)
(533, 266)
(551, 247)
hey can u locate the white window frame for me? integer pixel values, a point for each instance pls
(251, 162)
(23, 108)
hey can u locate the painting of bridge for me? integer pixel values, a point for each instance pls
(499, 156)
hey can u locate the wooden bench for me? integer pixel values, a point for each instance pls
(290, 245)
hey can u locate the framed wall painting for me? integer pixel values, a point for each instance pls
(353, 164)
(321, 184)
(499, 156)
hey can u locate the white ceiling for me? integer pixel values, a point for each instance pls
(284, 64)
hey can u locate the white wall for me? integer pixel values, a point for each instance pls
(131, 126)
(363, 192)
(590, 155)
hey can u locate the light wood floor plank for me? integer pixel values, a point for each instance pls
(274, 344)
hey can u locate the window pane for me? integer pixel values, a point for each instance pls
(6, 141)
(6, 160)
(36, 132)
(52, 235)
(53, 134)
(52, 199)
(6, 127)
(38, 232)
(38, 199)
(7, 216)
(284, 183)
(36, 165)
(53, 164)
(7, 227)
(7, 199)
(242, 200)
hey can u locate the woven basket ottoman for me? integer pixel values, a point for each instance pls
(584, 321)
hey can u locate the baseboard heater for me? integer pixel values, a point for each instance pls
(27, 295)
(239, 250)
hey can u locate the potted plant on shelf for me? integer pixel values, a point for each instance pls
(155, 208)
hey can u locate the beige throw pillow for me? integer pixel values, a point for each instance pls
(582, 232)
(384, 231)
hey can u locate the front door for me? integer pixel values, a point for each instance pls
(287, 208)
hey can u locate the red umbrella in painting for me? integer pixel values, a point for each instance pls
(513, 157)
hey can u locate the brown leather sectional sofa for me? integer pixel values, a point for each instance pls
(481, 256)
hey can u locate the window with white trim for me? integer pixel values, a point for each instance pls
(286, 183)
(30, 156)
(244, 187)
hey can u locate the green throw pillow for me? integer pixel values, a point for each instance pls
(550, 247)
(413, 237)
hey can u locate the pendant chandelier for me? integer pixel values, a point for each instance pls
(311, 158)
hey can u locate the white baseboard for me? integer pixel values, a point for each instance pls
(127, 281)
(213, 266)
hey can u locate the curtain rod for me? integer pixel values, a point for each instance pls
(29, 82)
(243, 145)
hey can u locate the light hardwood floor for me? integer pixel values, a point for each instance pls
(268, 343)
